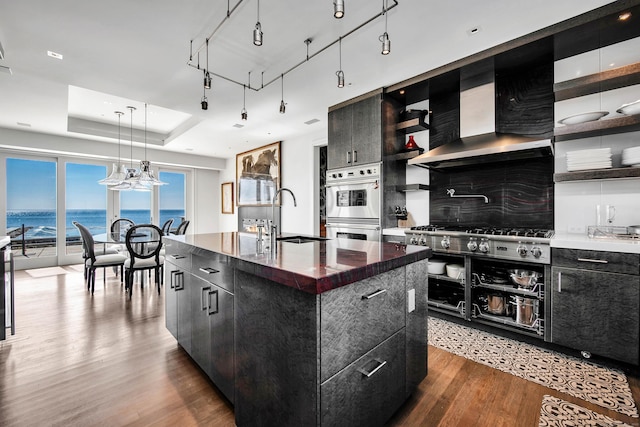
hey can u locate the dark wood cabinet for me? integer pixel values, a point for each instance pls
(595, 301)
(355, 133)
(199, 312)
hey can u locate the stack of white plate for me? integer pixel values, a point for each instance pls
(631, 156)
(597, 158)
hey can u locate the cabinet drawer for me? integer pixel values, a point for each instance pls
(177, 254)
(357, 317)
(214, 268)
(367, 392)
(612, 262)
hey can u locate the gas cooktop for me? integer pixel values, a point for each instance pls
(484, 230)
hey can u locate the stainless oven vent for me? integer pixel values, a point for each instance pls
(479, 141)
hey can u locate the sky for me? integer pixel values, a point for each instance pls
(31, 185)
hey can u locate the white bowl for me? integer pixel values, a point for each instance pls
(583, 117)
(436, 266)
(455, 271)
(630, 109)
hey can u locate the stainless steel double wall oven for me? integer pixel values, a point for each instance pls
(354, 198)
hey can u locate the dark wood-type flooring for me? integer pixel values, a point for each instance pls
(78, 360)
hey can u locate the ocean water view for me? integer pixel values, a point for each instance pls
(42, 223)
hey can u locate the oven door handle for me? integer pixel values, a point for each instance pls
(354, 226)
(354, 182)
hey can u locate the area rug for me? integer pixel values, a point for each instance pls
(579, 378)
(556, 412)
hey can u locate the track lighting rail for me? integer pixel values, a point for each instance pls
(284, 73)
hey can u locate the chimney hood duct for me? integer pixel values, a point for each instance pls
(479, 142)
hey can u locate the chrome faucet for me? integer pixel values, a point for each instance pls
(274, 227)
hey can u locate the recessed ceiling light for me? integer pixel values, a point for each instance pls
(612, 64)
(238, 125)
(54, 54)
(624, 16)
(27, 125)
(188, 149)
(312, 121)
(473, 31)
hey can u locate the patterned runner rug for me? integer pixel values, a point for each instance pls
(560, 413)
(579, 378)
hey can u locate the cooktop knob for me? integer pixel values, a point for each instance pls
(361, 172)
(413, 240)
(483, 246)
(334, 176)
(339, 175)
(369, 171)
(445, 243)
(536, 251)
(422, 241)
(522, 250)
(472, 245)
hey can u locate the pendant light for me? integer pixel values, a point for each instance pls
(146, 178)
(257, 32)
(384, 38)
(243, 113)
(207, 76)
(118, 172)
(338, 9)
(282, 104)
(339, 73)
(130, 173)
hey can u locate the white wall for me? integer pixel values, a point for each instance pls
(298, 170)
(207, 204)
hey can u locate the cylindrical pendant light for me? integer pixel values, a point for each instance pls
(257, 32)
(282, 104)
(384, 38)
(340, 73)
(338, 9)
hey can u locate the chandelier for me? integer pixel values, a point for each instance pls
(128, 179)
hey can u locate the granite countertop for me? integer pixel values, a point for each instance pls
(312, 267)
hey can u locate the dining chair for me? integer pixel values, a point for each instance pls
(94, 261)
(85, 255)
(143, 242)
(182, 228)
(166, 227)
(121, 225)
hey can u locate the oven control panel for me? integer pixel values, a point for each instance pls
(370, 171)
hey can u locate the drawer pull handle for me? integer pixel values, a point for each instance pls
(560, 281)
(176, 256)
(209, 270)
(377, 368)
(375, 294)
(598, 261)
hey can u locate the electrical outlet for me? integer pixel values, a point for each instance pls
(576, 229)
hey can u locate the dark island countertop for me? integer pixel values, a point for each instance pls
(312, 267)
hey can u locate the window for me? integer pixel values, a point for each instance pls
(136, 206)
(86, 202)
(31, 207)
(172, 198)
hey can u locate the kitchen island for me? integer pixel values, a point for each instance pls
(329, 332)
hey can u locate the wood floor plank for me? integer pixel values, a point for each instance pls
(105, 360)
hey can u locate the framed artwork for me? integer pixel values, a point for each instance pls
(227, 197)
(258, 175)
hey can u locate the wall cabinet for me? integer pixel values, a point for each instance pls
(595, 300)
(355, 133)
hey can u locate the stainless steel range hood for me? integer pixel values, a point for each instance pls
(479, 142)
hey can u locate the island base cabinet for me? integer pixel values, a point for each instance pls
(597, 312)
(178, 304)
(367, 392)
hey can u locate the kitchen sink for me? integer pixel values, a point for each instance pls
(301, 239)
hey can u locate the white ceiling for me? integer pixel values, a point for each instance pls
(124, 52)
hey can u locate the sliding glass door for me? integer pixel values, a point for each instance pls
(31, 215)
(172, 198)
